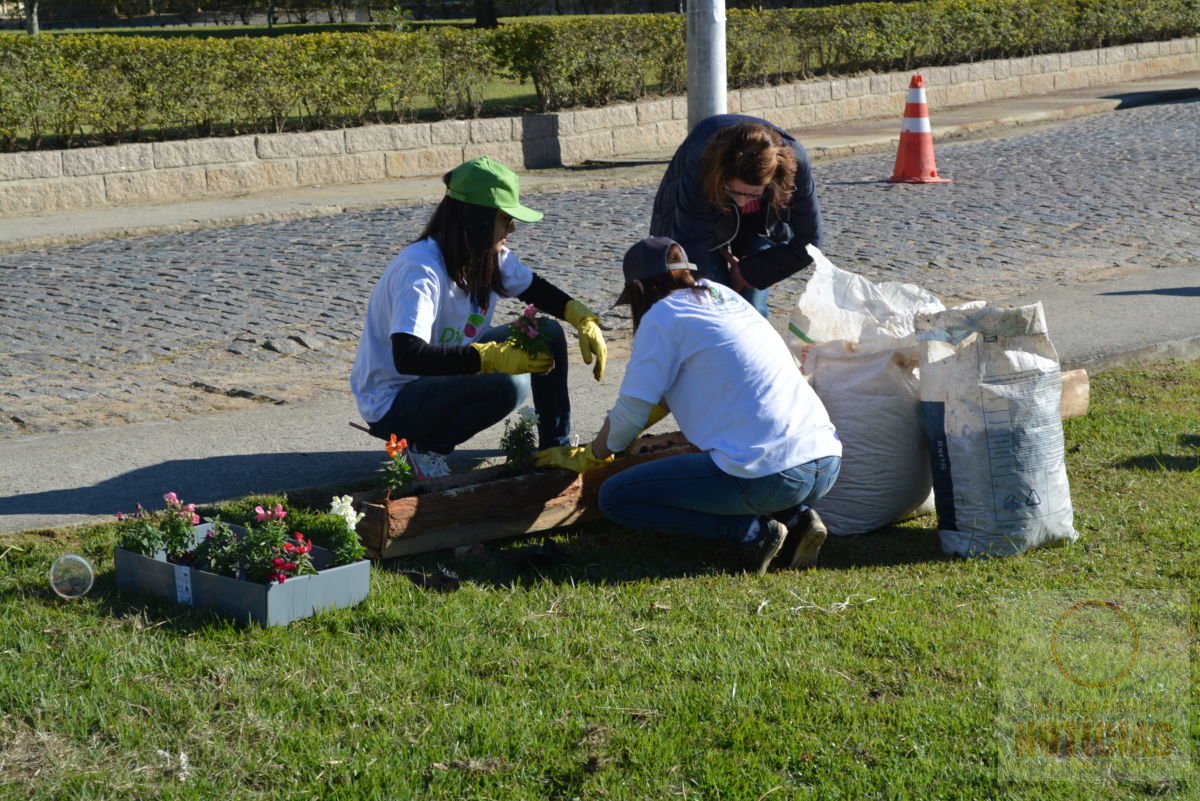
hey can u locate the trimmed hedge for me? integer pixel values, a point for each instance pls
(69, 90)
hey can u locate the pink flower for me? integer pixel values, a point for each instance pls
(191, 507)
(278, 511)
(120, 516)
(171, 498)
(261, 514)
(278, 561)
(530, 311)
(195, 519)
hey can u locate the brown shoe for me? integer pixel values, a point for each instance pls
(806, 535)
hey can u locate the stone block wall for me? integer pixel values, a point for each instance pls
(61, 181)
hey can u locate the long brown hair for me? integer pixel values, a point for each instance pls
(751, 152)
(464, 232)
(646, 292)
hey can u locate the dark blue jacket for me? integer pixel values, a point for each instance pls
(683, 213)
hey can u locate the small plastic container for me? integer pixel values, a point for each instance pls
(71, 576)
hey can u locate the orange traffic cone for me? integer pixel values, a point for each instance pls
(914, 157)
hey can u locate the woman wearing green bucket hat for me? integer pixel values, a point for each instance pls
(430, 367)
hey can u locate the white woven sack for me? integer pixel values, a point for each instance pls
(856, 344)
(990, 393)
(873, 401)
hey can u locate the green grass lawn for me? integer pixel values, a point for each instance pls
(636, 668)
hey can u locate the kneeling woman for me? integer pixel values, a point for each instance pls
(767, 447)
(429, 368)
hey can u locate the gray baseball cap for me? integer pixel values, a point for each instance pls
(648, 258)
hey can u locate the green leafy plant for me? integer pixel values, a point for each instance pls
(398, 473)
(529, 332)
(263, 551)
(519, 440)
(343, 542)
(220, 551)
(271, 556)
(170, 529)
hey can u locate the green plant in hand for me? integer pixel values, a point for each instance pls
(529, 333)
(519, 441)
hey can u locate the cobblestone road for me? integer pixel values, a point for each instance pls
(166, 326)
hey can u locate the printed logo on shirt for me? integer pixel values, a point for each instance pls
(717, 298)
(453, 336)
(474, 321)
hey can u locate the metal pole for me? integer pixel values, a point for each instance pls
(706, 59)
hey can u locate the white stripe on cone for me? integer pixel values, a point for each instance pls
(915, 125)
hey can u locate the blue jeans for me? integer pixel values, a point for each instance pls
(689, 494)
(438, 413)
(714, 267)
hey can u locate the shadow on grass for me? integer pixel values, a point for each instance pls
(110, 602)
(1162, 463)
(603, 553)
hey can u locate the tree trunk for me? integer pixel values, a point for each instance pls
(485, 14)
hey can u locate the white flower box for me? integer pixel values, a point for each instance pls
(265, 604)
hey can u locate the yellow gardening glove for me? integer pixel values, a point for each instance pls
(500, 357)
(656, 413)
(579, 459)
(591, 341)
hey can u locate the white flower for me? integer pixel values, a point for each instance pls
(344, 507)
(528, 415)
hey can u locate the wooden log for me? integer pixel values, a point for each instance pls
(493, 503)
(1076, 393)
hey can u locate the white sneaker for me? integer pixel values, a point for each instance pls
(427, 465)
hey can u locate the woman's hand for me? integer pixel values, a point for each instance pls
(591, 340)
(566, 457)
(500, 357)
(735, 275)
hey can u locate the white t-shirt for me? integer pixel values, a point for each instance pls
(416, 296)
(730, 382)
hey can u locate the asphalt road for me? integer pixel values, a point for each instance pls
(168, 326)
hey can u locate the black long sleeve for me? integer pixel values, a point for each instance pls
(547, 297)
(414, 356)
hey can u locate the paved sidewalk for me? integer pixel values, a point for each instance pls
(69, 478)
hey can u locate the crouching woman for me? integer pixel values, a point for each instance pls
(767, 447)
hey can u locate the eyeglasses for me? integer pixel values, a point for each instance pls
(748, 195)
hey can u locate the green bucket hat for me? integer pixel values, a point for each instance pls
(484, 182)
